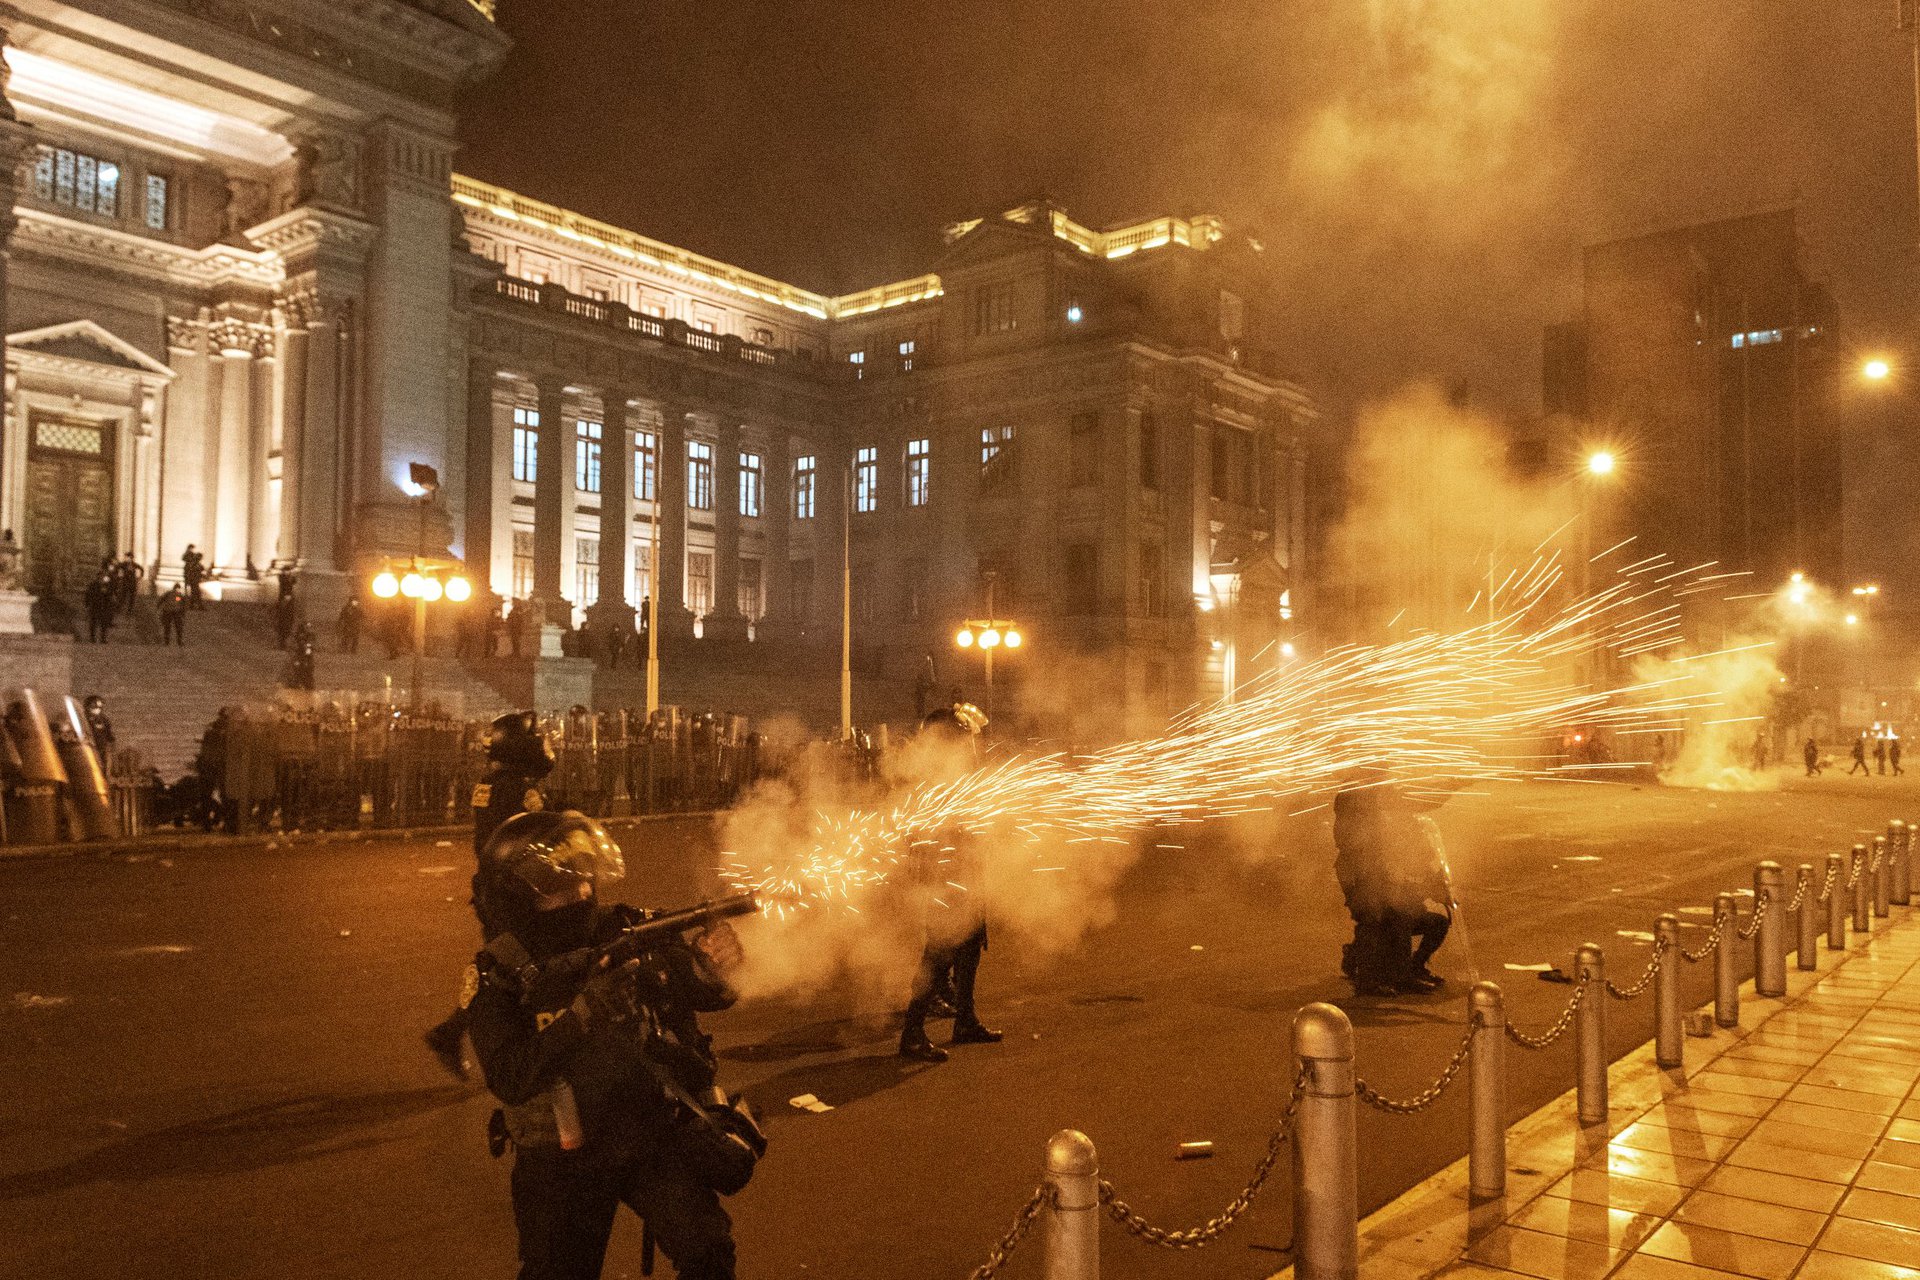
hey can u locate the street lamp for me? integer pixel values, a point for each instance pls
(1876, 370)
(423, 582)
(988, 634)
(1601, 463)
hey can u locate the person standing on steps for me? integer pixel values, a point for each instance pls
(193, 571)
(173, 616)
(351, 618)
(100, 598)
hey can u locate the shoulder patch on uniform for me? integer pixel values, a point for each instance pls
(533, 802)
(482, 794)
(469, 985)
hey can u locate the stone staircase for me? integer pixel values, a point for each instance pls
(162, 698)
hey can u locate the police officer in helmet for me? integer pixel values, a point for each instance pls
(957, 936)
(518, 760)
(588, 1061)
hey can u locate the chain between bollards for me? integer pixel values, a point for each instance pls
(1807, 944)
(1426, 1097)
(1022, 1224)
(1647, 976)
(1560, 1024)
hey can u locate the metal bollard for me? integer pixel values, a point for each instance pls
(1901, 889)
(1487, 1093)
(1857, 872)
(1882, 877)
(1072, 1248)
(1590, 1027)
(1913, 875)
(1726, 963)
(1669, 1037)
(1836, 903)
(1770, 935)
(1326, 1178)
(1807, 949)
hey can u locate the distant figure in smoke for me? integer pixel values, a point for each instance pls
(1893, 757)
(1880, 756)
(1860, 757)
(1389, 864)
(1811, 754)
(950, 961)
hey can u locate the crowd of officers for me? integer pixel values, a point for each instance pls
(608, 1087)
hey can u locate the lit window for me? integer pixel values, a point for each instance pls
(856, 357)
(156, 202)
(1074, 313)
(866, 480)
(996, 455)
(586, 571)
(906, 347)
(906, 355)
(804, 470)
(77, 180)
(526, 445)
(586, 456)
(699, 475)
(646, 460)
(1286, 606)
(700, 582)
(704, 326)
(993, 309)
(752, 601)
(918, 472)
(642, 572)
(750, 484)
(594, 293)
(522, 563)
(762, 337)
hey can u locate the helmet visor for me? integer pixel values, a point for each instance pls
(571, 866)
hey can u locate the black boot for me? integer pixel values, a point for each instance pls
(968, 1029)
(444, 1041)
(915, 1045)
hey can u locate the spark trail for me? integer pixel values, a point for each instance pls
(1432, 711)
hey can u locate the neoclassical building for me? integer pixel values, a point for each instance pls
(246, 293)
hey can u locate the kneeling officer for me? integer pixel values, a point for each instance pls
(607, 1082)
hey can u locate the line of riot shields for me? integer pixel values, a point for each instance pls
(54, 785)
(334, 763)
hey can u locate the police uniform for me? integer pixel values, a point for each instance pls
(583, 1102)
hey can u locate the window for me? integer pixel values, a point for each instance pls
(1286, 605)
(1153, 580)
(156, 202)
(700, 582)
(699, 475)
(804, 469)
(1084, 436)
(597, 293)
(996, 455)
(800, 572)
(77, 180)
(522, 563)
(918, 472)
(586, 456)
(993, 309)
(526, 445)
(1149, 450)
(646, 461)
(1080, 563)
(866, 480)
(642, 574)
(906, 346)
(762, 337)
(750, 589)
(1074, 313)
(750, 484)
(858, 360)
(702, 324)
(586, 571)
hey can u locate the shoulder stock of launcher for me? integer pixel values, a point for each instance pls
(637, 939)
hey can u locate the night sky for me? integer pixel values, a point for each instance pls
(1423, 172)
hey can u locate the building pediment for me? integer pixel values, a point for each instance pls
(88, 343)
(990, 241)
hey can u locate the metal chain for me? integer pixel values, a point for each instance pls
(1799, 895)
(1431, 1094)
(1760, 905)
(1873, 862)
(1560, 1024)
(1121, 1212)
(1022, 1223)
(1826, 890)
(1713, 940)
(1854, 867)
(1646, 979)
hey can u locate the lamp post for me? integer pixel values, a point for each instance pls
(424, 582)
(987, 635)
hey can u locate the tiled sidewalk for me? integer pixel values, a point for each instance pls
(1791, 1151)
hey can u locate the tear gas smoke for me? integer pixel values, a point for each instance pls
(1717, 751)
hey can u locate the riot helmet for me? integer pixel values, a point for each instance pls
(961, 720)
(540, 875)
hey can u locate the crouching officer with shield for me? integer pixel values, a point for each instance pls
(584, 1019)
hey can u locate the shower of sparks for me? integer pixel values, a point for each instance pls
(1432, 712)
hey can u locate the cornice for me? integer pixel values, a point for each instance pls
(308, 230)
(71, 241)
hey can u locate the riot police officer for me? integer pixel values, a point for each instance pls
(597, 1068)
(518, 760)
(957, 937)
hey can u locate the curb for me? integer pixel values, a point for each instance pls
(1427, 1229)
(169, 843)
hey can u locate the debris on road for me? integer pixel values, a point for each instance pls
(1634, 935)
(156, 949)
(1194, 1151)
(1583, 857)
(443, 844)
(1529, 968)
(24, 1000)
(807, 1102)
(1554, 974)
(436, 871)
(346, 933)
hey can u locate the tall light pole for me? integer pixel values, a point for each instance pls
(988, 634)
(846, 604)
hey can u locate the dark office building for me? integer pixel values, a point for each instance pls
(1707, 360)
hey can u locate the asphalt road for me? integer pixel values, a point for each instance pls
(214, 1066)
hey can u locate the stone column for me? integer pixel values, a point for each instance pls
(676, 620)
(612, 613)
(15, 145)
(726, 621)
(776, 518)
(483, 511)
(233, 425)
(831, 498)
(552, 520)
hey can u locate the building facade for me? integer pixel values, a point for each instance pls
(247, 297)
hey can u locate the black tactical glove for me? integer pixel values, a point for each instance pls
(608, 996)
